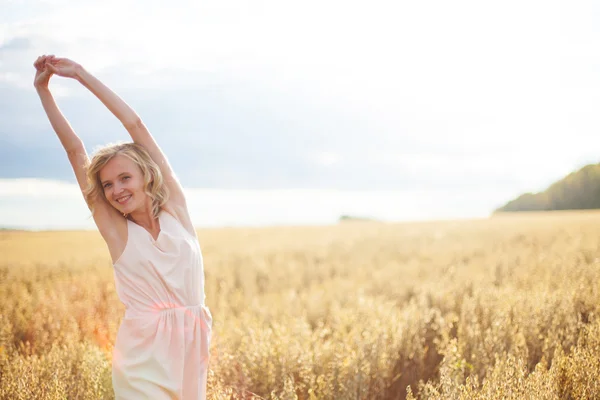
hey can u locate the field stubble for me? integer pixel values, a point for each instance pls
(505, 307)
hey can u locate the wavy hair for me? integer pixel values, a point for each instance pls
(154, 185)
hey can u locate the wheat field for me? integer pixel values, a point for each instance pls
(505, 307)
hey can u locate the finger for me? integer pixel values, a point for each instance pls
(38, 63)
(51, 68)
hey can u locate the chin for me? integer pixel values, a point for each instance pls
(121, 209)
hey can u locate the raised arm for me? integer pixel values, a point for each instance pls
(68, 138)
(128, 117)
(105, 216)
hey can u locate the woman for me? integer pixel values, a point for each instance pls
(138, 205)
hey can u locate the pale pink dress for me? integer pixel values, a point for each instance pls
(162, 346)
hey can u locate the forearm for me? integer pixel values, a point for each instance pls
(110, 99)
(68, 138)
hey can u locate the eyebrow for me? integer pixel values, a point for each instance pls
(122, 173)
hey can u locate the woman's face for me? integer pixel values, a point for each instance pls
(123, 184)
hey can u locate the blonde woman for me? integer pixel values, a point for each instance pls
(162, 346)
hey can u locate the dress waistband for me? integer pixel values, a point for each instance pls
(131, 312)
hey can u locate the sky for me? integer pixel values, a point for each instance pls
(280, 112)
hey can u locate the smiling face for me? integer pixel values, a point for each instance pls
(122, 181)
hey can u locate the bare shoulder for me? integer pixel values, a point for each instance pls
(180, 212)
(112, 226)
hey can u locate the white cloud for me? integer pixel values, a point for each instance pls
(529, 171)
(40, 204)
(326, 158)
(34, 187)
(504, 91)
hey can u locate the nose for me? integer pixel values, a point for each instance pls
(118, 190)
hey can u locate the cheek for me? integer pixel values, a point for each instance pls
(139, 184)
(136, 187)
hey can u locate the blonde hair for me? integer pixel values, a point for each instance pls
(154, 185)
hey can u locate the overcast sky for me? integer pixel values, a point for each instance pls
(298, 112)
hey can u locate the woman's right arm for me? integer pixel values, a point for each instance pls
(68, 138)
(108, 219)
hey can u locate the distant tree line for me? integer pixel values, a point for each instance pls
(347, 218)
(579, 190)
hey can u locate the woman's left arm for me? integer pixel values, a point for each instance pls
(128, 117)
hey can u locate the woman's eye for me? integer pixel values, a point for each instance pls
(126, 177)
(107, 185)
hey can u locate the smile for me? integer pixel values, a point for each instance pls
(123, 200)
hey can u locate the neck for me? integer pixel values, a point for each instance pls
(144, 217)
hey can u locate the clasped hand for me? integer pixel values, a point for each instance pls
(46, 66)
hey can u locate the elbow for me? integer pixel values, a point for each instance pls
(75, 149)
(133, 124)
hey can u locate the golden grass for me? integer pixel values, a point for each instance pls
(482, 309)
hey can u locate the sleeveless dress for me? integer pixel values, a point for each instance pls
(162, 346)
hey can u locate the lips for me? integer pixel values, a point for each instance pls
(123, 200)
